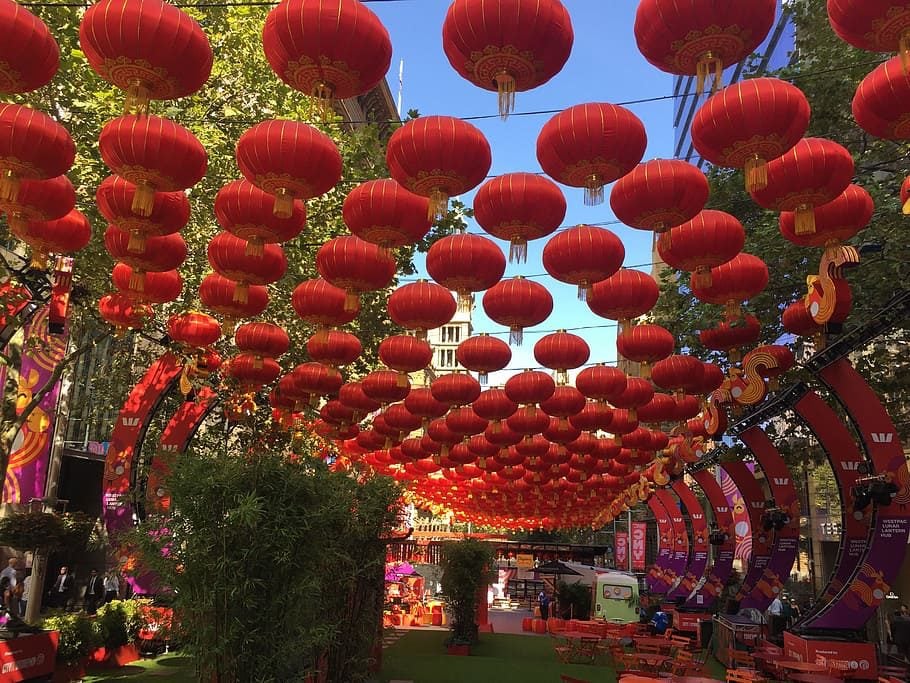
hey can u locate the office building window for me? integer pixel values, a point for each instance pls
(446, 358)
(451, 334)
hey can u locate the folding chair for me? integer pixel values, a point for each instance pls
(562, 649)
(742, 676)
(740, 659)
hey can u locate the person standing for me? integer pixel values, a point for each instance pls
(776, 616)
(111, 586)
(94, 592)
(544, 600)
(62, 589)
(11, 572)
(23, 599)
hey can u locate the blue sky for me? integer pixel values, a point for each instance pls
(605, 66)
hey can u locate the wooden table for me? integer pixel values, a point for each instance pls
(583, 645)
(650, 662)
(766, 660)
(652, 641)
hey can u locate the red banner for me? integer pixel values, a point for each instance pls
(639, 534)
(622, 550)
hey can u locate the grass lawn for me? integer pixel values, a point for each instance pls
(167, 667)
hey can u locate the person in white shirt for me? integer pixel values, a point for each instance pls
(26, 585)
(111, 586)
(776, 620)
(11, 572)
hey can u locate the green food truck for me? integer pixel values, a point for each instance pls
(615, 594)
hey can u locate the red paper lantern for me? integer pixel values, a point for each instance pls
(560, 430)
(438, 157)
(676, 372)
(529, 420)
(510, 48)
(334, 348)
(149, 48)
(398, 417)
(645, 344)
(729, 335)
(245, 211)
(328, 50)
(592, 417)
(517, 303)
(161, 253)
(814, 172)
(170, 214)
(494, 405)
(835, 222)
(355, 266)
(562, 352)
(64, 235)
(601, 382)
(465, 264)
(385, 387)
(384, 213)
(749, 123)
(153, 153)
(29, 55)
(708, 240)
(591, 145)
(262, 340)
(32, 147)
(422, 403)
(289, 160)
(322, 304)
(518, 207)
(798, 320)
(405, 354)
(463, 420)
(638, 392)
(252, 372)
(194, 330)
(228, 257)
(217, 293)
(737, 280)
(565, 402)
(700, 37)
(711, 379)
(874, 25)
(583, 256)
(160, 288)
(661, 408)
(626, 295)
(530, 387)
(659, 194)
(455, 389)
(353, 396)
(39, 200)
(123, 312)
(317, 379)
(421, 306)
(483, 354)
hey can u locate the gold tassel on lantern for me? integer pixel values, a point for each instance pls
(351, 301)
(39, 259)
(439, 204)
(324, 94)
(518, 250)
(255, 246)
(9, 186)
(136, 245)
(401, 380)
(804, 220)
(137, 99)
(706, 64)
(284, 203)
(241, 293)
(137, 281)
(701, 278)
(584, 291)
(505, 86)
(644, 370)
(594, 190)
(143, 199)
(732, 310)
(756, 170)
(516, 336)
(562, 377)
(465, 302)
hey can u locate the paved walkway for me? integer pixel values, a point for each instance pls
(509, 621)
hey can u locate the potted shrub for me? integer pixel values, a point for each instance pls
(465, 566)
(78, 639)
(117, 624)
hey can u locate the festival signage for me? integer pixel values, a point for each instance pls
(698, 560)
(754, 501)
(638, 545)
(658, 579)
(786, 539)
(860, 598)
(742, 522)
(720, 571)
(679, 553)
(855, 659)
(621, 555)
(846, 462)
(27, 472)
(524, 561)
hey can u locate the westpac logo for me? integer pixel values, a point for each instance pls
(781, 481)
(130, 421)
(698, 516)
(758, 504)
(677, 520)
(168, 448)
(722, 508)
(850, 465)
(882, 437)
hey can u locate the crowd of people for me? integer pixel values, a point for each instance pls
(64, 592)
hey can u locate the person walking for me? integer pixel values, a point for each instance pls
(11, 574)
(62, 589)
(23, 599)
(94, 592)
(111, 586)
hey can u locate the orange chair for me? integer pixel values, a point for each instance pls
(742, 676)
(740, 659)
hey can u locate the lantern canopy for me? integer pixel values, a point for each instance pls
(508, 48)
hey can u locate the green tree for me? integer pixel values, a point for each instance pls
(241, 92)
(465, 568)
(276, 564)
(828, 71)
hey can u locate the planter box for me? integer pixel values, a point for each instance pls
(67, 673)
(114, 658)
(461, 650)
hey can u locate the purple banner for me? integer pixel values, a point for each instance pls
(698, 560)
(754, 499)
(657, 577)
(679, 556)
(742, 523)
(720, 571)
(27, 472)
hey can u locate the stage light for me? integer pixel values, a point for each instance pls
(775, 518)
(873, 489)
